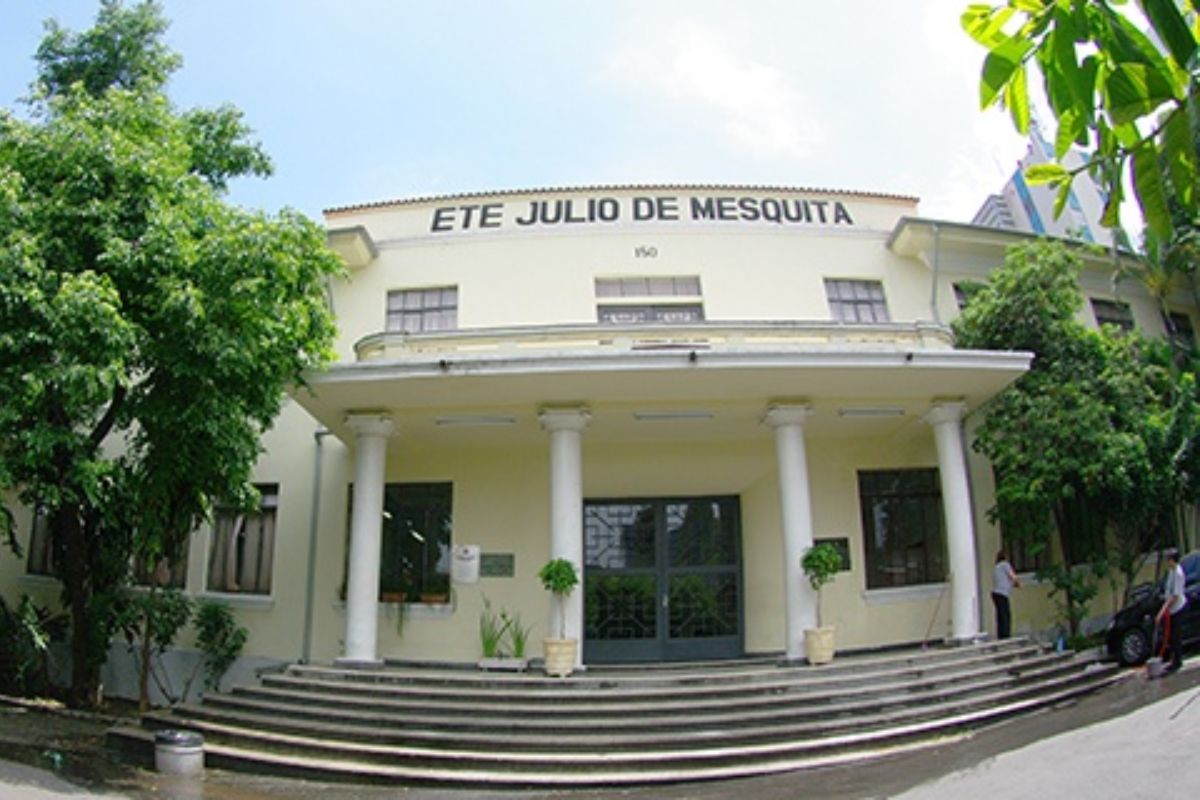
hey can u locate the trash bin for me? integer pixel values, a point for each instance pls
(179, 752)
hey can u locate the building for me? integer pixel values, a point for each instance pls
(1027, 207)
(678, 388)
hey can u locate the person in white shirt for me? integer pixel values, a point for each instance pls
(1004, 580)
(1174, 599)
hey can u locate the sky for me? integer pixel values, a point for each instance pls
(361, 101)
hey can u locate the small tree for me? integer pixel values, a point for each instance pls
(821, 563)
(559, 577)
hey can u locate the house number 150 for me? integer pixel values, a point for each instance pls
(645, 251)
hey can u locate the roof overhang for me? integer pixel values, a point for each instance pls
(507, 391)
(353, 244)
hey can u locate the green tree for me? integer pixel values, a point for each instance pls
(1129, 98)
(1093, 446)
(147, 328)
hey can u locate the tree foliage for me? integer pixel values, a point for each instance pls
(1129, 98)
(147, 328)
(1094, 446)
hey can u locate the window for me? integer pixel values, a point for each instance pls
(856, 301)
(663, 299)
(167, 574)
(423, 310)
(902, 527)
(415, 559)
(241, 551)
(41, 553)
(1108, 312)
(966, 291)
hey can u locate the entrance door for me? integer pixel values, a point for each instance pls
(662, 579)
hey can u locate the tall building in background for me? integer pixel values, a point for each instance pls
(1023, 206)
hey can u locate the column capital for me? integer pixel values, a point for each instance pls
(569, 418)
(780, 414)
(946, 411)
(370, 424)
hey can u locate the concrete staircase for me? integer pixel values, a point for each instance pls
(615, 725)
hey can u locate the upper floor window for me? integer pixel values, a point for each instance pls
(423, 310)
(856, 301)
(241, 552)
(669, 299)
(1109, 312)
(966, 291)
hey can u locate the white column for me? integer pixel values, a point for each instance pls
(946, 419)
(800, 601)
(366, 530)
(565, 426)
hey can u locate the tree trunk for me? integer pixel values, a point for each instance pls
(144, 669)
(73, 567)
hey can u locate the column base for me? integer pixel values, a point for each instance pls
(966, 641)
(358, 663)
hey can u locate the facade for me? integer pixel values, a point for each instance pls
(1027, 207)
(678, 388)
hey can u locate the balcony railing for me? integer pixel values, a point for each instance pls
(738, 336)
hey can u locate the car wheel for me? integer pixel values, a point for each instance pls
(1135, 646)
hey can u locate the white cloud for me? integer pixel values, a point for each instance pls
(699, 77)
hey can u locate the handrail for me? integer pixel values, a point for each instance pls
(755, 335)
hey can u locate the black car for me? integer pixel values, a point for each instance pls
(1131, 632)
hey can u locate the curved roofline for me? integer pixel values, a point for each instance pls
(624, 187)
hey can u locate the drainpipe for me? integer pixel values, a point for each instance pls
(933, 293)
(310, 587)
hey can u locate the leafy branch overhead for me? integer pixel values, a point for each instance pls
(1126, 96)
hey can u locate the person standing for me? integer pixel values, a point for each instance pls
(1174, 599)
(1004, 580)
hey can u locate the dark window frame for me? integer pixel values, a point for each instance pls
(902, 558)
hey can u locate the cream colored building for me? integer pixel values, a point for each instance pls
(678, 388)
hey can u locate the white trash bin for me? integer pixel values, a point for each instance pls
(179, 752)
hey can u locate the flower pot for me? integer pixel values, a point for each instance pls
(559, 656)
(818, 645)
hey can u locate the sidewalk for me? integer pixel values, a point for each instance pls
(1138, 738)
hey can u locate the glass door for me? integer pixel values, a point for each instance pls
(662, 579)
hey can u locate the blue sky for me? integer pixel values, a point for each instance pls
(366, 100)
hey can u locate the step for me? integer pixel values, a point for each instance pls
(633, 712)
(246, 747)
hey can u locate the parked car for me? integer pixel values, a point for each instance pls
(1131, 633)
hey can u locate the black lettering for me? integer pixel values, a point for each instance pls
(840, 214)
(643, 208)
(807, 211)
(607, 209)
(569, 212)
(749, 209)
(558, 212)
(703, 209)
(443, 220)
(791, 210)
(726, 209)
(532, 218)
(489, 215)
(668, 208)
(468, 211)
(771, 211)
(819, 205)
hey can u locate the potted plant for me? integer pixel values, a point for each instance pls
(820, 563)
(559, 577)
(502, 637)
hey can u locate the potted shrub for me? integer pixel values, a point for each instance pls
(559, 577)
(821, 563)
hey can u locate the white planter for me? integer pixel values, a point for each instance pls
(818, 645)
(559, 656)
